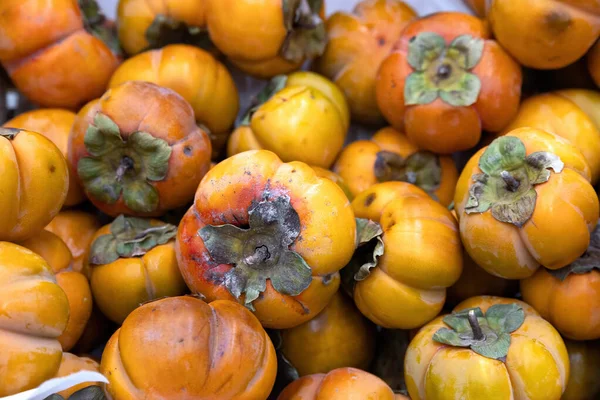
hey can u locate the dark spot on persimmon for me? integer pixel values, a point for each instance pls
(558, 20)
(393, 84)
(327, 278)
(381, 41)
(370, 199)
(312, 96)
(187, 150)
(293, 171)
(181, 340)
(52, 168)
(390, 225)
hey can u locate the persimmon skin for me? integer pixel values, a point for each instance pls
(172, 121)
(544, 34)
(358, 44)
(338, 337)
(186, 331)
(339, 384)
(585, 366)
(506, 251)
(121, 286)
(408, 287)
(74, 283)
(537, 359)
(55, 124)
(438, 126)
(197, 76)
(39, 53)
(325, 214)
(572, 305)
(34, 311)
(31, 165)
(355, 164)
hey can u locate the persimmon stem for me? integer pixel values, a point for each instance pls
(261, 254)
(512, 184)
(477, 332)
(126, 165)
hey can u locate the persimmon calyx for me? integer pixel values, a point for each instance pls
(9, 133)
(88, 393)
(487, 335)
(117, 167)
(98, 25)
(306, 36)
(261, 252)
(442, 70)
(506, 184)
(276, 84)
(165, 30)
(369, 247)
(588, 261)
(421, 169)
(129, 237)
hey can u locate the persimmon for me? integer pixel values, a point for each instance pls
(446, 80)
(545, 34)
(75, 285)
(584, 358)
(132, 261)
(196, 75)
(217, 350)
(138, 150)
(358, 42)
(526, 201)
(339, 384)
(338, 337)
(58, 53)
(488, 348)
(76, 228)
(55, 124)
(34, 311)
(390, 156)
(269, 37)
(268, 234)
(569, 297)
(401, 282)
(300, 117)
(34, 184)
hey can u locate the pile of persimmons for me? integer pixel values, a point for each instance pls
(188, 249)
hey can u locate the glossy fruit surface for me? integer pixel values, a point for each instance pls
(585, 367)
(217, 350)
(268, 234)
(31, 165)
(138, 150)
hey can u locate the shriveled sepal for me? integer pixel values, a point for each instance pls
(422, 169)
(369, 247)
(306, 35)
(589, 261)
(129, 237)
(166, 30)
(276, 84)
(117, 167)
(261, 252)
(9, 133)
(487, 335)
(506, 185)
(98, 25)
(87, 393)
(442, 70)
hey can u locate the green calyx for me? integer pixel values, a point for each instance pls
(117, 167)
(421, 169)
(260, 252)
(96, 23)
(589, 261)
(487, 335)
(9, 133)
(306, 35)
(443, 70)
(166, 30)
(369, 247)
(129, 237)
(506, 185)
(276, 84)
(88, 393)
